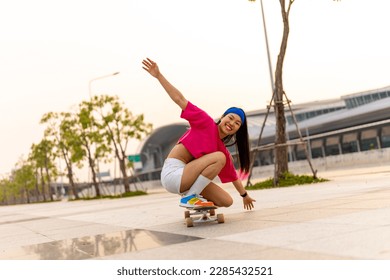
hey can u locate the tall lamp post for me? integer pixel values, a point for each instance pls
(98, 78)
(90, 96)
(267, 46)
(272, 88)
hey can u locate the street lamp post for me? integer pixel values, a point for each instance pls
(90, 96)
(272, 88)
(98, 78)
(267, 46)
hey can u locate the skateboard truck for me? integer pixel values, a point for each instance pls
(206, 215)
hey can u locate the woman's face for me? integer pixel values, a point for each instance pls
(229, 124)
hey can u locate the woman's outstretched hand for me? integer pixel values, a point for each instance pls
(248, 202)
(151, 67)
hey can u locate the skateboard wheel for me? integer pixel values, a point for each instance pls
(212, 212)
(186, 214)
(220, 218)
(189, 222)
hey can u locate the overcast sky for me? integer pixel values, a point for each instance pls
(212, 50)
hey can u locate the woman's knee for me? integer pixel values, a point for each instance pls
(220, 158)
(217, 195)
(228, 202)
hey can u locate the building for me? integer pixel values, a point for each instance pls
(351, 124)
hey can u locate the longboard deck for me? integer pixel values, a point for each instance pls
(207, 214)
(204, 208)
(200, 207)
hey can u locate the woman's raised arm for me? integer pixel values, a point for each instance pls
(151, 67)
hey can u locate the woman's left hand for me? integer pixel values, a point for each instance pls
(248, 202)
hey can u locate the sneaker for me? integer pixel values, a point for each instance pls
(193, 200)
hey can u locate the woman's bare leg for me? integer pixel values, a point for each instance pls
(208, 165)
(217, 195)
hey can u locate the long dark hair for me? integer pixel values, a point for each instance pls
(241, 140)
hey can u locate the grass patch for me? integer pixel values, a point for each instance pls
(43, 201)
(126, 194)
(288, 179)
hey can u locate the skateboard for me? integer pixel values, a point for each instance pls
(207, 214)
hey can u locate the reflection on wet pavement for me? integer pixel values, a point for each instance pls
(103, 245)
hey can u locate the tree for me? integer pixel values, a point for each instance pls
(24, 180)
(92, 139)
(5, 191)
(281, 155)
(59, 131)
(42, 156)
(120, 126)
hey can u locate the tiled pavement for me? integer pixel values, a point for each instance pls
(345, 218)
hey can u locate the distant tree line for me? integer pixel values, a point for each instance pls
(100, 129)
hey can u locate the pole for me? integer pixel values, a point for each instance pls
(90, 96)
(267, 46)
(254, 154)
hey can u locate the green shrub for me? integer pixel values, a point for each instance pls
(288, 179)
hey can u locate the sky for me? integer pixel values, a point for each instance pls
(213, 51)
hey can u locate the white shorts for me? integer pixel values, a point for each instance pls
(171, 174)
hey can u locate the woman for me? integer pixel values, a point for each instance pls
(200, 154)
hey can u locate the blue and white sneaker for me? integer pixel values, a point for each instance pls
(194, 200)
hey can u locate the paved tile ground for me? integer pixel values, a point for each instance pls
(345, 218)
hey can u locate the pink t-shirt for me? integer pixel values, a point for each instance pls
(203, 138)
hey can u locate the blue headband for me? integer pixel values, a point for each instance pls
(237, 111)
